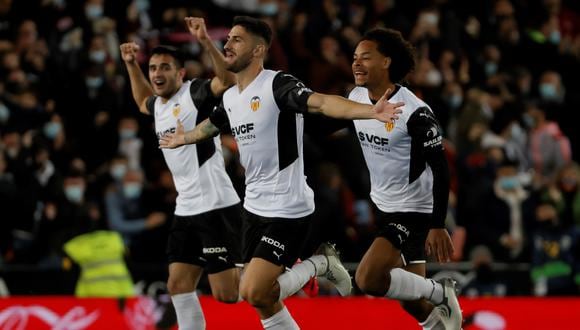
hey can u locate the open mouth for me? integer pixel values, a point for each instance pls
(360, 74)
(159, 83)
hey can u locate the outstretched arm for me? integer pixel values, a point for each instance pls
(203, 131)
(140, 87)
(339, 107)
(224, 79)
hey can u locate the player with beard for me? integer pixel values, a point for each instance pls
(265, 113)
(204, 233)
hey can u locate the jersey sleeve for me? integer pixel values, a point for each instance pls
(150, 104)
(290, 93)
(427, 135)
(219, 118)
(202, 96)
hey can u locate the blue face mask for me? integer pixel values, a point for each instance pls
(93, 11)
(142, 5)
(455, 101)
(529, 120)
(548, 92)
(490, 68)
(74, 193)
(132, 190)
(94, 82)
(118, 171)
(509, 182)
(51, 129)
(4, 113)
(98, 56)
(269, 9)
(555, 37)
(127, 133)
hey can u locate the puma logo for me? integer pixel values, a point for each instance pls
(225, 259)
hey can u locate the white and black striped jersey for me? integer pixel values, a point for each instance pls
(198, 170)
(399, 155)
(266, 119)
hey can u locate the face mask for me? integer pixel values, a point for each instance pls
(4, 113)
(529, 120)
(74, 193)
(98, 56)
(127, 133)
(132, 190)
(142, 5)
(93, 11)
(516, 132)
(555, 37)
(94, 82)
(548, 92)
(490, 68)
(269, 9)
(509, 182)
(433, 78)
(12, 152)
(118, 172)
(455, 101)
(51, 129)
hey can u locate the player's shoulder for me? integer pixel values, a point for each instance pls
(358, 93)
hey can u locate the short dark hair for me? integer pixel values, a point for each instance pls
(391, 44)
(171, 51)
(255, 26)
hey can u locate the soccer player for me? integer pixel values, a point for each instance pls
(204, 234)
(409, 186)
(265, 113)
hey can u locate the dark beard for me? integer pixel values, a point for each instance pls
(240, 64)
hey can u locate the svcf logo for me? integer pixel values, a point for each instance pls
(176, 110)
(389, 126)
(255, 103)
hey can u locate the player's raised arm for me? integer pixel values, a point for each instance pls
(339, 107)
(203, 131)
(140, 87)
(223, 78)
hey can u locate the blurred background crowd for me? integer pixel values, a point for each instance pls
(501, 75)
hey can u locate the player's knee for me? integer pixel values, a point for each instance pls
(255, 297)
(226, 296)
(370, 283)
(177, 286)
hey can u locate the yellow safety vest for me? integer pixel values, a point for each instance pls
(103, 270)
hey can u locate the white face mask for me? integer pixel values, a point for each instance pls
(118, 171)
(4, 113)
(433, 77)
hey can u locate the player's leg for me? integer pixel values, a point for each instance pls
(269, 245)
(182, 282)
(221, 249)
(185, 270)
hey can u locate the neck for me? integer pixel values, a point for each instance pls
(377, 91)
(165, 99)
(246, 76)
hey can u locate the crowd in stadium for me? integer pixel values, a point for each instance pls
(500, 75)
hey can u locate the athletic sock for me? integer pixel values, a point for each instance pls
(188, 310)
(296, 277)
(280, 321)
(409, 286)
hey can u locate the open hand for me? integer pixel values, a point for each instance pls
(385, 111)
(129, 52)
(196, 26)
(439, 244)
(173, 140)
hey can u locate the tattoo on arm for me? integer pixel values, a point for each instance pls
(205, 130)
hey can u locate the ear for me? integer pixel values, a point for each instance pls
(260, 50)
(181, 73)
(387, 62)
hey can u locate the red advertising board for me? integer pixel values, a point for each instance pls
(20, 313)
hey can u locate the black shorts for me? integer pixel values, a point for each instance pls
(210, 240)
(278, 240)
(407, 231)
